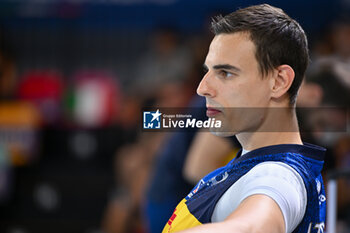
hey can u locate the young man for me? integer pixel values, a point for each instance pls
(255, 65)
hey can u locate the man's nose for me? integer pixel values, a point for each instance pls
(205, 87)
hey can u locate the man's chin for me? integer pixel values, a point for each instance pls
(221, 132)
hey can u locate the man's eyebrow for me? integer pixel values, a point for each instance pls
(226, 67)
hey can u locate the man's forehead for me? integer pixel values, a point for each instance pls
(234, 46)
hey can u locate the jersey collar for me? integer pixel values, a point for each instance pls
(307, 149)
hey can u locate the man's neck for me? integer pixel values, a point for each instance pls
(285, 130)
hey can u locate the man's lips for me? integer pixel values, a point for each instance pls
(211, 112)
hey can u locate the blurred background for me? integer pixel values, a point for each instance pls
(74, 76)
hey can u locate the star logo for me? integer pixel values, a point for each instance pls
(151, 120)
(156, 115)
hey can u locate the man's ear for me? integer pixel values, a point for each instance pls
(283, 79)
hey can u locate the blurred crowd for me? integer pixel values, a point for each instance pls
(73, 157)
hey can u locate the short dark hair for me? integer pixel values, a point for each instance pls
(278, 39)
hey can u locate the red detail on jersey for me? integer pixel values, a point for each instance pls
(172, 218)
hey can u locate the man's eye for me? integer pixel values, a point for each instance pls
(225, 74)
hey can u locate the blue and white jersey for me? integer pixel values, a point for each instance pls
(307, 160)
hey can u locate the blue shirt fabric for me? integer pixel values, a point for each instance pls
(306, 159)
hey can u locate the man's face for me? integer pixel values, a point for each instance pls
(233, 86)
